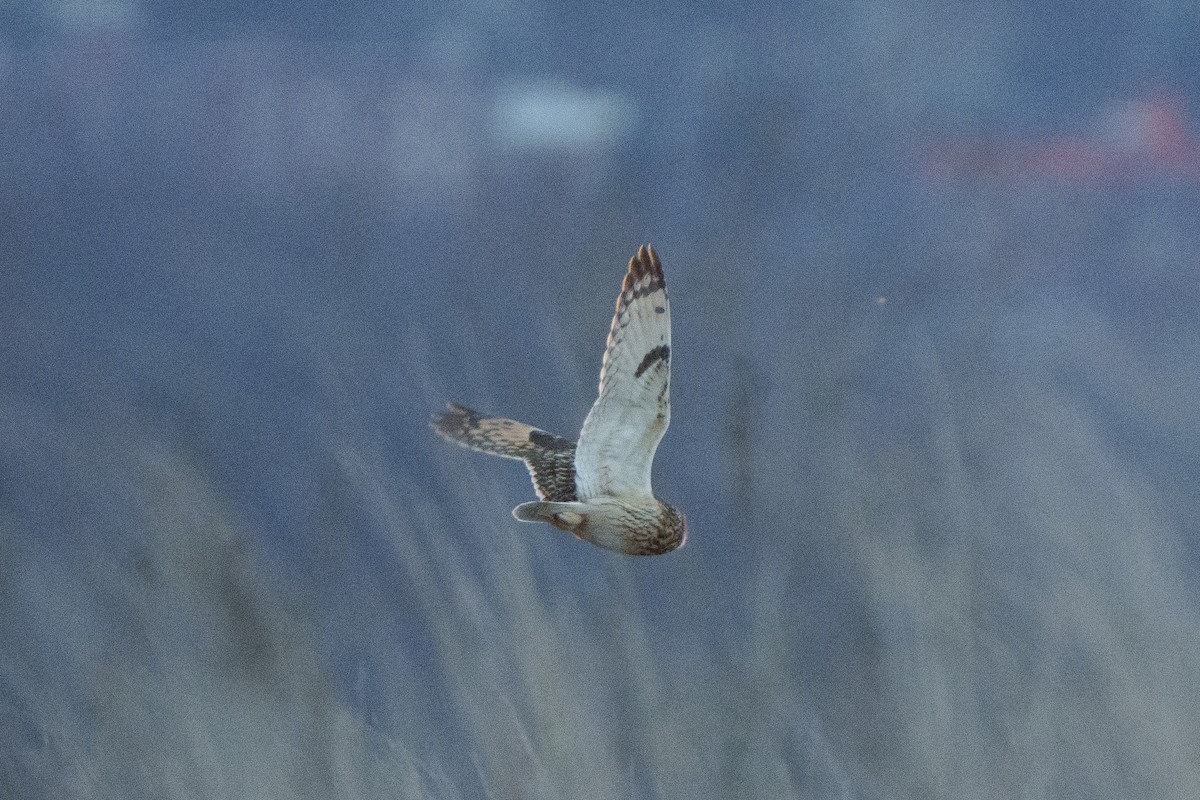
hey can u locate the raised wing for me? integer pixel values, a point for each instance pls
(622, 431)
(549, 458)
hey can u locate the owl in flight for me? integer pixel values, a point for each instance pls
(599, 487)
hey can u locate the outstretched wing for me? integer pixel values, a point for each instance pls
(550, 458)
(622, 431)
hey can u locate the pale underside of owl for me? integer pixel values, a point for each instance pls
(599, 487)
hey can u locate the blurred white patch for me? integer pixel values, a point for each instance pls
(108, 14)
(554, 116)
(1155, 125)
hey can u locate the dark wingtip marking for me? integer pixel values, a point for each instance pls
(644, 264)
(455, 421)
(660, 353)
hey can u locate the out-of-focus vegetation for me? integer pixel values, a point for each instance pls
(933, 428)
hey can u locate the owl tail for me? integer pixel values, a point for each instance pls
(564, 516)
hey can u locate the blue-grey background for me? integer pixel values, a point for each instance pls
(936, 365)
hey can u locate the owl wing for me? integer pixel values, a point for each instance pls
(616, 446)
(549, 458)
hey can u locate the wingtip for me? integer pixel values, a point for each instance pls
(456, 417)
(645, 262)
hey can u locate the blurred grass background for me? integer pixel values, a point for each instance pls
(933, 430)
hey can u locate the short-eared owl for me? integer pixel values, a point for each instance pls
(599, 487)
